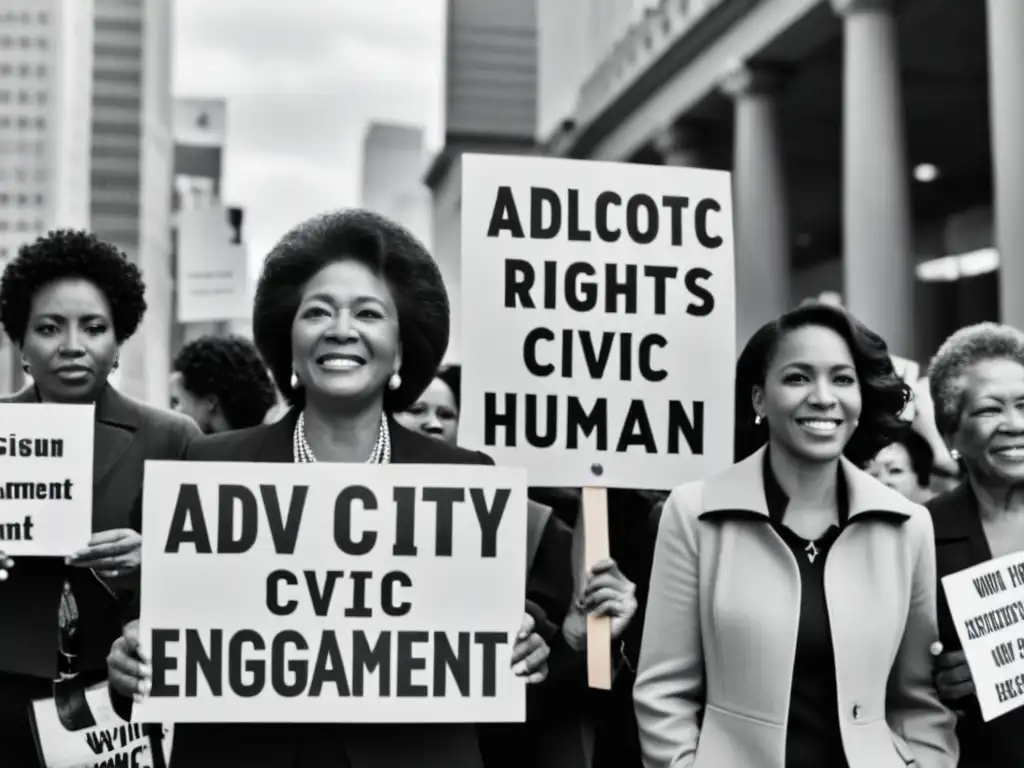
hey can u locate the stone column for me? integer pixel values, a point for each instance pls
(679, 145)
(878, 258)
(760, 205)
(1006, 110)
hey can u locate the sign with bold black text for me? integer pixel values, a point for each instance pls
(332, 592)
(598, 319)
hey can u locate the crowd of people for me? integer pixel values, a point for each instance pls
(785, 613)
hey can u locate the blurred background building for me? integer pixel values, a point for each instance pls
(394, 157)
(490, 105)
(875, 144)
(132, 165)
(212, 291)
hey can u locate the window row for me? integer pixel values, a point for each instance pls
(23, 97)
(25, 17)
(23, 70)
(25, 42)
(24, 123)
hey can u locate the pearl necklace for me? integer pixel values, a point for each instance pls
(303, 454)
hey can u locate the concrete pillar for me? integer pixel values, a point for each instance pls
(679, 145)
(759, 201)
(878, 261)
(1006, 110)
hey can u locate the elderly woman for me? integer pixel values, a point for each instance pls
(221, 383)
(792, 598)
(977, 383)
(351, 317)
(69, 301)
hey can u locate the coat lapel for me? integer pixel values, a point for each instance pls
(116, 425)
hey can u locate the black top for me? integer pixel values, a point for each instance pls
(960, 543)
(813, 738)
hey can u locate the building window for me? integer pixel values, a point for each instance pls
(25, 42)
(43, 17)
(24, 97)
(23, 123)
(5, 41)
(22, 200)
(41, 70)
(40, 123)
(21, 226)
(5, 122)
(40, 97)
(42, 43)
(40, 225)
(40, 200)
(5, 199)
(25, 70)
(6, 69)
(26, 17)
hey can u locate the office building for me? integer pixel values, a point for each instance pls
(132, 165)
(394, 157)
(490, 106)
(45, 106)
(875, 144)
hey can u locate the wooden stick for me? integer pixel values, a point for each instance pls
(599, 628)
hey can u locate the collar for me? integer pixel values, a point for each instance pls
(112, 407)
(776, 499)
(742, 492)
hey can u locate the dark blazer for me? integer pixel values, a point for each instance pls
(126, 434)
(334, 746)
(960, 543)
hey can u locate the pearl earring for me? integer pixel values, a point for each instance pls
(294, 380)
(955, 454)
(395, 381)
(758, 418)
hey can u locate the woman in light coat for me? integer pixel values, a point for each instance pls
(792, 600)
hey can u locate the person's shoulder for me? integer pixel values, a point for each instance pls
(421, 449)
(949, 510)
(162, 419)
(236, 445)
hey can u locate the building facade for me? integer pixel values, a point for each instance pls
(875, 145)
(132, 169)
(490, 106)
(45, 108)
(394, 157)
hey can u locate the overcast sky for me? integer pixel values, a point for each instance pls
(302, 79)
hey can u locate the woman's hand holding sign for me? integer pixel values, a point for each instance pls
(952, 675)
(111, 554)
(530, 654)
(5, 565)
(607, 593)
(128, 665)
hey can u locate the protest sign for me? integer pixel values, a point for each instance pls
(109, 742)
(332, 592)
(599, 334)
(987, 604)
(45, 478)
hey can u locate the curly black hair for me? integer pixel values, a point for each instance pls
(230, 369)
(72, 253)
(884, 395)
(389, 250)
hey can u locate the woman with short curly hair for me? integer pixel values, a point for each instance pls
(792, 600)
(69, 301)
(351, 316)
(977, 384)
(221, 383)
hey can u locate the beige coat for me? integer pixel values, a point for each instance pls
(716, 666)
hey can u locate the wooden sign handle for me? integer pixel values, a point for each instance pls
(599, 628)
